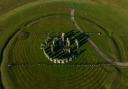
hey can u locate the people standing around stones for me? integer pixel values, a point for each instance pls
(63, 46)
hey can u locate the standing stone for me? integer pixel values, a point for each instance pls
(77, 43)
(62, 61)
(51, 59)
(54, 60)
(68, 42)
(66, 60)
(63, 34)
(70, 59)
(69, 51)
(53, 42)
(58, 61)
(52, 48)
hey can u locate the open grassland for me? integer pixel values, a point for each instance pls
(32, 70)
(7, 5)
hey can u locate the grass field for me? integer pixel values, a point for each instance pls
(32, 70)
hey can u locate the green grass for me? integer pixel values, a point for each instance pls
(32, 70)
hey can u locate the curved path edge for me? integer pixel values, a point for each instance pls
(98, 50)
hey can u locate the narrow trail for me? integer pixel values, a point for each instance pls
(74, 21)
(102, 54)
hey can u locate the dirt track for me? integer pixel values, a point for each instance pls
(102, 54)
